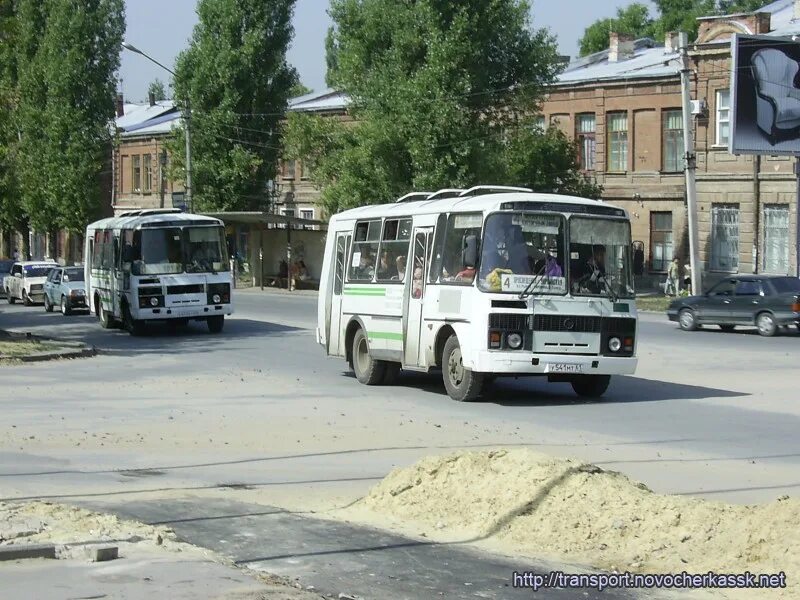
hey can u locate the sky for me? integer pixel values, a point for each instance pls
(162, 28)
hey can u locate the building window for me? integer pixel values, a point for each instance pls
(618, 142)
(724, 237)
(723, 117)
(585, 127)
(673, 141)
(660, 240)
(289, 169)
(287, 212)
(538, 123)
(776, 239)
(136, 168)
(148, 173)
(307, 214)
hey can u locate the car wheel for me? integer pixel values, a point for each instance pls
(215, 324)
(25, 300)
(727, 327)
(48, 306)
(368, 370)
(462, 384)
(687, 320)
(65, 307)
(766, 324)
(591, 386)
(11, 299)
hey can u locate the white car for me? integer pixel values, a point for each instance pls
(26, 281)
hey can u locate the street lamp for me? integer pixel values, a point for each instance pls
(186, 115)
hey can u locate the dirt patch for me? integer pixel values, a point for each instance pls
(524, 503)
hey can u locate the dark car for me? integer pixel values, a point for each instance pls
(768, 302)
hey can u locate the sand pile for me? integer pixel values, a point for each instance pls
(46, 522)
(530, 504)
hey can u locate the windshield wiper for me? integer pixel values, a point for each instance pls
(531, 287)
(610, 291)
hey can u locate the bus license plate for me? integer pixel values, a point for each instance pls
(564, 368)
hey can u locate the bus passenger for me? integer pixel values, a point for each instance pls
(401, 268)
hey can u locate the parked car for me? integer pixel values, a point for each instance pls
(65, 288)
(26, 281)
(767, 301)
(5, 270)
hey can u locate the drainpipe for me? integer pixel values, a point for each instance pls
(757, 208)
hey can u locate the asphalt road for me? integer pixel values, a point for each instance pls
(259, 414)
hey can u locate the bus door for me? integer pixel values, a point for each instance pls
(334, 311)
(116, 278)
(415, 295)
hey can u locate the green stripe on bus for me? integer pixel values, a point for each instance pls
(385, 335)
(364, 291)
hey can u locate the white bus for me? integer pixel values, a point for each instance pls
(158, 265)
(481, 283)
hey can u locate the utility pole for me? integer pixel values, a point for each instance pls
(691, 164)
(188, 185)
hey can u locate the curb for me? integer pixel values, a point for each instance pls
(22, 551)
(79, 349)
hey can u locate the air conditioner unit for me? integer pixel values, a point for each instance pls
(699, 107)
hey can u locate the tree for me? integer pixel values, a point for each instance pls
(435, 87)
(156, 90)
(673, 15)
(67, 57)
(298, 89)
(633, 20)
(235, 77)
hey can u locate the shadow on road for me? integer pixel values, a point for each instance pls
(536, 391)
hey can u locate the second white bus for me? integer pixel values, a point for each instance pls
(481, 283)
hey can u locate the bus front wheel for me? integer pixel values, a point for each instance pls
(461, 383)
(215, 324)
(591, 386)
(368, 370)
(133, 326)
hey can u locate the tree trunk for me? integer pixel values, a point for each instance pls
(25, 251)
(52, 245)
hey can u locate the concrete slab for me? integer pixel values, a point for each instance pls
(343, 559)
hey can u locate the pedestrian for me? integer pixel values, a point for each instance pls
(16, 254)
(673, 273)
(687, 277)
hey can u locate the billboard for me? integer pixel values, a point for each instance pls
(765, 96)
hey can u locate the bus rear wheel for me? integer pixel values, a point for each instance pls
(106, 321)
(462, 384)
(368, 370)
(591, 386)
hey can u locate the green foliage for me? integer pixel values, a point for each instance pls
(235, 77)
(435, 85)
(633, 20)
(673, 15)
(66, 53)
(157, 90)
(546, 161)
(298, 89)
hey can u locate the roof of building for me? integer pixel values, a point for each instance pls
(486, 202)
(160, 125)
(136, 114)
(782, 21)
(324, 101)
(648, 60)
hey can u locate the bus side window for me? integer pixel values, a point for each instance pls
(116, 253)
(438, 249)
(365, 251)
(338, 274)
(394, 250)
(97, 255)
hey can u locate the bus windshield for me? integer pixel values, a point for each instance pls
(177, 250)
(600, 258)
(523, 252)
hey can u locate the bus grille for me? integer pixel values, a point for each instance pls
(196, 288)
(512, 322)
(568, 323)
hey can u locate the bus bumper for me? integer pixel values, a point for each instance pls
(194, 312)
(527, 363)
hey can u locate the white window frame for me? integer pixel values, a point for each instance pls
(720, 109)
(775, 257)
(727, 236)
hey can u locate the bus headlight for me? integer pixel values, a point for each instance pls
(216, 298)
(153, 301)
(514, 341)
(614, 344)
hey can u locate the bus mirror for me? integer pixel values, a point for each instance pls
(469, 255)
